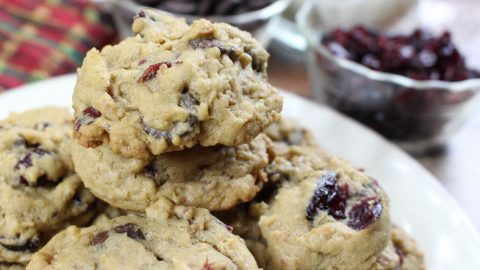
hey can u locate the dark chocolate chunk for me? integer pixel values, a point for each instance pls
(30, 246)
(131, 229)
(100, 238)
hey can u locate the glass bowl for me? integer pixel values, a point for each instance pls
(417, 115)
(257, 22)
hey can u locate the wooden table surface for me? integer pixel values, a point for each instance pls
(457, 167)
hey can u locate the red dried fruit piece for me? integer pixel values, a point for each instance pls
(100, 238)
(365, 212)
(328, 196)
(207, 266)
(109, 91)
(151, 71)
(89, 115)
(92, 112)
(131, 229)
(420, 56)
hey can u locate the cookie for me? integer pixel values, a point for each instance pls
(306, 224)
(39, 191)
(402, 253)
(173, 86)
(166, 237)
(303, 224)
(215, 178)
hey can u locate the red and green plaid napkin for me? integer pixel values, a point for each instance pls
(45, 38)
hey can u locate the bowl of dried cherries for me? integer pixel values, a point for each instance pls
(255, 16)
(413, 88)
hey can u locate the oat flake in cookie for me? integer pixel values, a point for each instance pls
(39, 193)
(173, 86)
(215, 177)
(166, 237)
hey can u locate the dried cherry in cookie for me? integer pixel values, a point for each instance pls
(87, 117)
(329, 196)
(365, 212)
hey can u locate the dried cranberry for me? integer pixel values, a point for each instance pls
(207, 266)
(100, 238)
(420, 56)
(30, 246)
(151, 71)
(109, 90)
(365, 212)
(91, 112)
(131, 229)
(328, 196)
(89, 115)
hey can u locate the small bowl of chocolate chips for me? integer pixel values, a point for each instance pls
(413, 88)
(255, 16)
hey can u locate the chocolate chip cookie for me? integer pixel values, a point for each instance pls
(215, 177)
(166, 237)
(39, 192)
(173, 86)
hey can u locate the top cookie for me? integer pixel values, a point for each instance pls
(166, 237)
(173, 86)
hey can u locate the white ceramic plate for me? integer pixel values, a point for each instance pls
(419, 204)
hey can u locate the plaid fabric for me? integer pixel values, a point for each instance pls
(44, 38)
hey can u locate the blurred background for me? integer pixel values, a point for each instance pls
(407, 69)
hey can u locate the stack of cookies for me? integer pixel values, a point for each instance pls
(177, 133)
